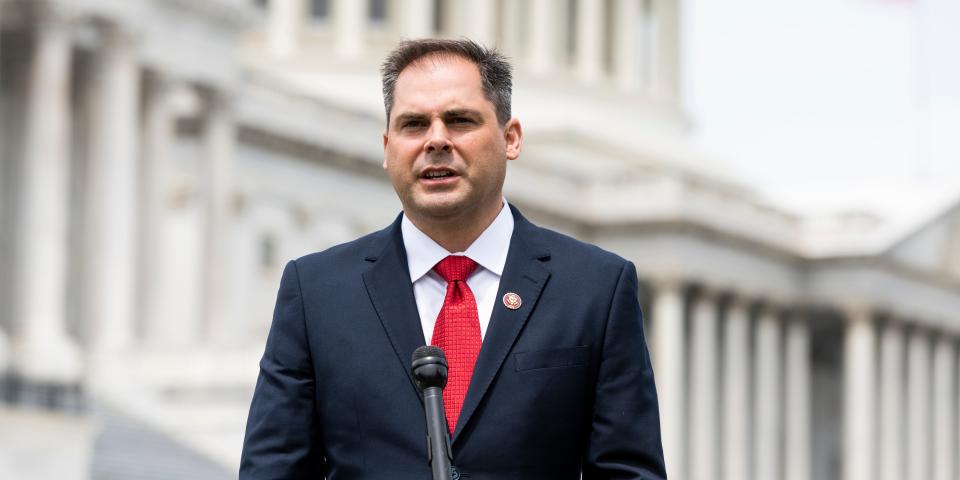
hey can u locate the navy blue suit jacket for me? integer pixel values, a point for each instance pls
(563, 385)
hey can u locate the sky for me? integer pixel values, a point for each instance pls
(828, 104)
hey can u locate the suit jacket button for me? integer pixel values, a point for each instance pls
(454, 473)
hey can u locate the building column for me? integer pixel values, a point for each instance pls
(956, 417)
(797, 461)
(283, 27)
(767, 421)
(42, 351)
(626, 47)
(158, 135)
(736, 391)
(4, 352)
(859, 391)
(668, 350)
(112, 204)
(704, 414)
(543, 44)
(217, 179)
(944, 372)
(349, 22)
(481, 21)
(417, 20)
(891, 402)
(918, 404)
(590, 31)
(514, 30)
(666, 74)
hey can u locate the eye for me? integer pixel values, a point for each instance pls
(412, 124)
(460, 120)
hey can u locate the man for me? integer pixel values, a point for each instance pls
(549, 372)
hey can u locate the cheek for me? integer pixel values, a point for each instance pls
(477, 146)
(405, 151)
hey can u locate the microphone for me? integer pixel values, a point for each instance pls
(429, 368)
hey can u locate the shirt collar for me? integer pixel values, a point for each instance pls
(489, 250)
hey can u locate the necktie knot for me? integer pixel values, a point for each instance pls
(455, 268)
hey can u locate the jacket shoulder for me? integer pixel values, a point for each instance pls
(565, 248)
(344, 254)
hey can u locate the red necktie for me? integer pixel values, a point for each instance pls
(457, 332)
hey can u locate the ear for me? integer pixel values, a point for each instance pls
(513, 137)
(385, 140)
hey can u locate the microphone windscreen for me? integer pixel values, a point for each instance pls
(428, 351)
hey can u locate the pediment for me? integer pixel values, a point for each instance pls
(933, 247)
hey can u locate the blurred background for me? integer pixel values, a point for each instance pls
(785, 175)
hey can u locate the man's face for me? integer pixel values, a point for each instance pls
(443, 148)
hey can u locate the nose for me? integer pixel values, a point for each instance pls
(438, 139)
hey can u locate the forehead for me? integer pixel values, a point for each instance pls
(438, 78)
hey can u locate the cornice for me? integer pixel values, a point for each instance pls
(230, 12)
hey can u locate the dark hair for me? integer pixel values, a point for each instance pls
(495, 70)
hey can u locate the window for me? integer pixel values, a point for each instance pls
(377, 11)
(268, 252)
(609, 35)
(571, 40)
(320, 9)
(439, 16)
(646, 38)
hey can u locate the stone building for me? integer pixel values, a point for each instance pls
(162, 159)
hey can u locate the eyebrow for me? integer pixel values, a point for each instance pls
(457, 112)
(461, 112)
(405, 117)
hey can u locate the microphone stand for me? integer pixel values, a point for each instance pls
(429, 368)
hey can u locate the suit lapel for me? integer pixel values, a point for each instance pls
(391, 292)
(525, 275)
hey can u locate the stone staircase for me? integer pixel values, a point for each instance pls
(127, 449)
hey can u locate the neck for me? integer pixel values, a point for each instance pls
(456, 234)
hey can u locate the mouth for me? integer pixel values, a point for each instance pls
(438, 175)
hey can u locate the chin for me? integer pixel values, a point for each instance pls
(439, 207)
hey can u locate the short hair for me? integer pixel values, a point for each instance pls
(495, 71)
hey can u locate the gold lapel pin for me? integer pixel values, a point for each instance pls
(512, 301)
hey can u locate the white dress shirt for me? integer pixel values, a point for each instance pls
(489, 250)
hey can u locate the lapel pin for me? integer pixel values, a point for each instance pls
(512, 301)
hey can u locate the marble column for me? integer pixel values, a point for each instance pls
(666, 74)
(42, 352)
(668, 362)
(158, 136)
(481, 21)
(704, 415)
(349, 24)
(891, 402)
(766, 403)
(513, 30)
(283, 27)
(859, 394)
(543, 42)
(944, 402)
(918, 404)
(217, 178)
(956, 416)
(4, 352)
(736, 391)
(112, 203)
(417, 19)
(626, 44)
(4, 246)
(590, 31)
(797, 455)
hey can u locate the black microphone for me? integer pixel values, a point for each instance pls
(430, 372)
